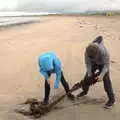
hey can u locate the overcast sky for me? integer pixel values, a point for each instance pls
(67, 5)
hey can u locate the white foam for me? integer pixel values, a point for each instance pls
(17, 13)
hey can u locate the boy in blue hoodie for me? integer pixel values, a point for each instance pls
(49, 63)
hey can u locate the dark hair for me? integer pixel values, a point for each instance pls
(92, 50)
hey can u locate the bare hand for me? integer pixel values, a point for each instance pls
(99, 78)
(50, 81)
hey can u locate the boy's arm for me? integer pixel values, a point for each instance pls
(88, 65)
(106, 60)
(44, 74)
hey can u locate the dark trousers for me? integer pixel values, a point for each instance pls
(106, 80)
(47, 86)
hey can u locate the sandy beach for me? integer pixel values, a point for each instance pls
(68, 36)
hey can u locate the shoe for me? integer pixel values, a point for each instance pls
(109, 104)
(71, 96)
(83, 93)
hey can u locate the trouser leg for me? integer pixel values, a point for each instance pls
(108, 87)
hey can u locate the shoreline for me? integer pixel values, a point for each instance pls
(3, 27)
(11, 22)
(40, 19)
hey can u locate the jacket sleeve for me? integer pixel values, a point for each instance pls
(58, 78)
(88, 65)
(44, 74)
(106, 60)
(57, 66)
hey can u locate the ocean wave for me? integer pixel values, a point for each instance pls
(15, 13)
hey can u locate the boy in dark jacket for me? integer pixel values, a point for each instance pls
(97, 58)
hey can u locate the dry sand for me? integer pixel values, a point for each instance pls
(67, 36)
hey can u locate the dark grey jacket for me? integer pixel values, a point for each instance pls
(102, 59)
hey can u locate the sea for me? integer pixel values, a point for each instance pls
(17, 18)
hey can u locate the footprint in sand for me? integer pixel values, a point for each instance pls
(96, 27)
(99, 28)
(112, 61)
(119, 38)
(81, 26)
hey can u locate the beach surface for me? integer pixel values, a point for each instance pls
(67, 36)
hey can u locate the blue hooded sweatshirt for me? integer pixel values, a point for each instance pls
(50, 63)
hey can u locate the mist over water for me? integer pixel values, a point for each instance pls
(62, 6)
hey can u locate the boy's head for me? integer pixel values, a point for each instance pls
(92, 50)
(46, 63)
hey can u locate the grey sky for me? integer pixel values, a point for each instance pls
(57, 5)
